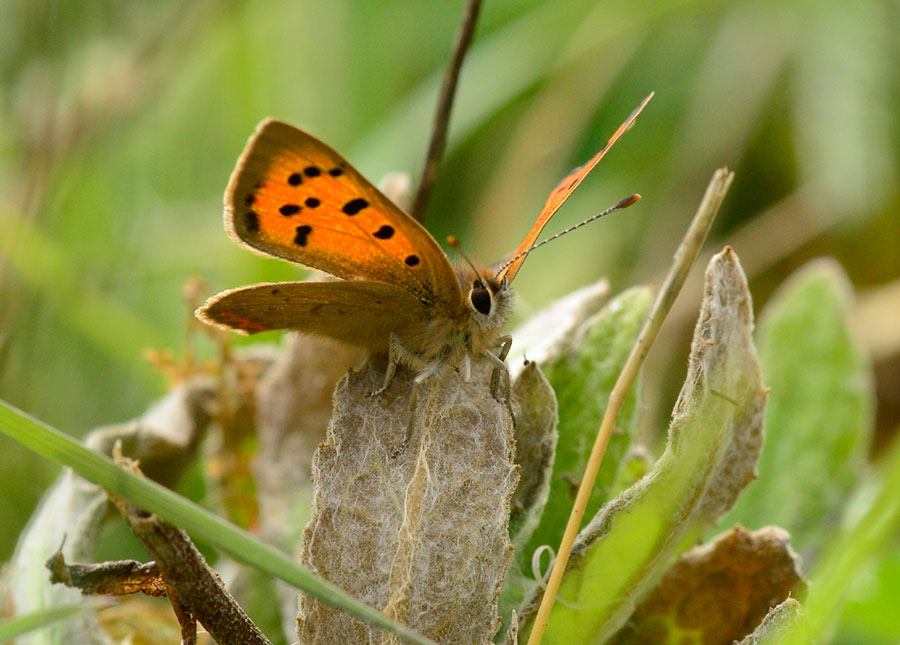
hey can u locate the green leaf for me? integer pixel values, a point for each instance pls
(714, 441)
(870, 528)
(582, 379)
(820, 409)
(581, 358)
(778, 623)
(173, 508)
(870, 613)
(535, 434)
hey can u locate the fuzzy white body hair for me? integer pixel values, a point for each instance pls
(451, 342)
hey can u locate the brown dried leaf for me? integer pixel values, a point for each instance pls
(423, 536)
(117, 578)
(718, 592)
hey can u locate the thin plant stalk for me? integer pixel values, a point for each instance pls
(442, 114)
(684, 259)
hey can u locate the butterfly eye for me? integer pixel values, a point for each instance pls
(480, 298)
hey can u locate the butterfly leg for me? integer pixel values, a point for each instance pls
(397, 353)
(411, 422)
(505, 342)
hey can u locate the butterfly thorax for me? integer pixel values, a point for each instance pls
(448, 342)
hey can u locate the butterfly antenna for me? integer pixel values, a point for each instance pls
(453, 241)
(625, 203)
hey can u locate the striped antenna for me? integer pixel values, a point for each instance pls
(625, 203)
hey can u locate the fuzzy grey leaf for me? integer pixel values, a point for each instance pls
(423, 536)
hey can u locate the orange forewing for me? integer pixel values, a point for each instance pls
(562, 191)
(359, 313)
(293, 197)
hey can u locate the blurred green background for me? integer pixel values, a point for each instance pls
(121, 122)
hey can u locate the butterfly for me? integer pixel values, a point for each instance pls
(293, 197)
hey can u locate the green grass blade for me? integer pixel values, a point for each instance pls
(19, 625)
(850, 550)
(173, 508)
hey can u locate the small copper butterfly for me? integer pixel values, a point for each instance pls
(293, 197)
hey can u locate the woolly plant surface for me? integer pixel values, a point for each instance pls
(422, 536)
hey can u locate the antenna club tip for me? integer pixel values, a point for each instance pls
(628, 201)
(453, 241)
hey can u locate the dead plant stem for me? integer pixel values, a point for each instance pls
(442, 114)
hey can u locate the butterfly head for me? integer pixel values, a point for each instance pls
(488, 300)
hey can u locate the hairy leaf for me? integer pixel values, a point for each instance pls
(820, 410)
(714, 441)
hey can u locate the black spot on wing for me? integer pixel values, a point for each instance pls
(312, 202)
(412, 260)
(302, 236)
(289, 209)
(312, 171)
(295, 179)
(384, 233)
(354, 206)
